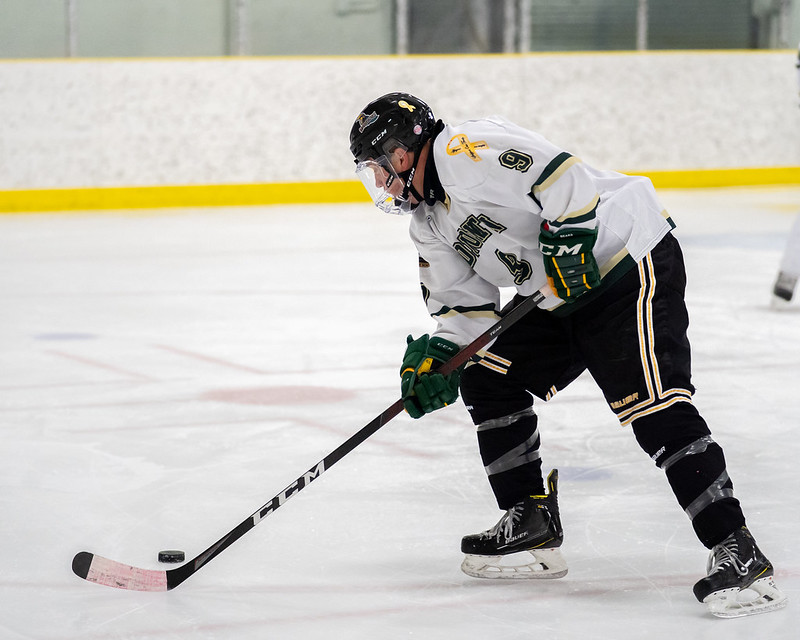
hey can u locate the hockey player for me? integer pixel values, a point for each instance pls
(494, 205)
(789, 270)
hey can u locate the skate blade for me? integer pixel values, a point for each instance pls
(760, 597)
(777, 303)
(546, 564)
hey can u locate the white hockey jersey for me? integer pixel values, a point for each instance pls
(501, 182)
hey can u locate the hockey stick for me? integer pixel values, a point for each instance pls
(110, 573)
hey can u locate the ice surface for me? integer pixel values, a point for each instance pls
(164, 374)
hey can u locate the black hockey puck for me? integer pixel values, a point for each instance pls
(171, 556)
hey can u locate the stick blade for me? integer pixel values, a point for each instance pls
(109, 573)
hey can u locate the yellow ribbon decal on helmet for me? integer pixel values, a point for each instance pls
(405, 105)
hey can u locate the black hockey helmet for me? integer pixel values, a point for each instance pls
(392, 118)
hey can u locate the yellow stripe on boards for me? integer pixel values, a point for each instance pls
(710, 178)
(149, 197)
(332, 192)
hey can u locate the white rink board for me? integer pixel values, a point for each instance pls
(107, 123)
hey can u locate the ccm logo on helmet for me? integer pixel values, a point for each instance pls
(378, 137)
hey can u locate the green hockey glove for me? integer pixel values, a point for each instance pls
(568, 260)
(424, 390)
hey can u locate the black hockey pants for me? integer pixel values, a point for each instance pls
(632, 340)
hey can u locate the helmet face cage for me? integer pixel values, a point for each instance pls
(386, 187)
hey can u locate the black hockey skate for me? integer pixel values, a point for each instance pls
(734, 565)
(524, 544)
(783, 290)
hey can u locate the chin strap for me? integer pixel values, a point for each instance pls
(416, 195)
(408, 176)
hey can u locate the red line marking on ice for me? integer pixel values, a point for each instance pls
(205, 358)
(51, 385)
(101, 365)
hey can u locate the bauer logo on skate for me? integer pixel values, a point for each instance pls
(307, 478)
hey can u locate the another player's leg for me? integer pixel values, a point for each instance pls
(783, 289)
(789, 271)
